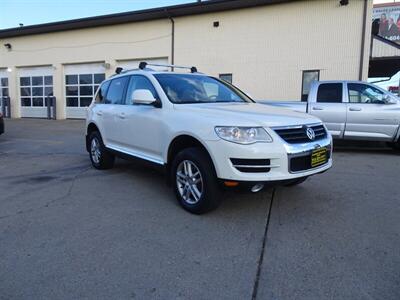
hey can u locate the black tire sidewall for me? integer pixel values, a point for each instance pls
(210, 198)
(106, 159)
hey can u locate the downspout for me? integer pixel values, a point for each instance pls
(361, 70)
(172, 38)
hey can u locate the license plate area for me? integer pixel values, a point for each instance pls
(319, 157)
(311, 160)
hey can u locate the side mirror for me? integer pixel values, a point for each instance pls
(389, 100)
(143, 97)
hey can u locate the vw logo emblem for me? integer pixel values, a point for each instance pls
(310, 133)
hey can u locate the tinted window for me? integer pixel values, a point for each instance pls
(363, 93)
(139, 83)
(102, 92)
(116, 90)
(330, 93)
(183, 88)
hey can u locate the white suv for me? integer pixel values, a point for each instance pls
(205, 132)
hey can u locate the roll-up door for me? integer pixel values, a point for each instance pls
(81, 83)
(3, 87)
(35, 85)
(134, 63)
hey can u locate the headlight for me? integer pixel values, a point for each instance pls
(243, 135)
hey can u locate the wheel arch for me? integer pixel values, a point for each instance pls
(182, 142)
(90, 128)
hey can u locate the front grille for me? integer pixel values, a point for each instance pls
(297, 135)
(303, 163)
(251, 165)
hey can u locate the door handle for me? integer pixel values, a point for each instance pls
(99, 113)
(317, 108)
(121, 116)
(354, 109)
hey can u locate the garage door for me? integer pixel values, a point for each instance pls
(3, 86)
(134, 63)
(35, 85)
(81, 83)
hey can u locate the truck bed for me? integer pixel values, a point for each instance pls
(292, 105)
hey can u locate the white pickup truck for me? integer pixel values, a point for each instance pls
(204, 132)
(352, 110)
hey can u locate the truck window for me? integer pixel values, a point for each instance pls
(330, 93)
(363, 93)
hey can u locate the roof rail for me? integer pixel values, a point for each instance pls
(144, 64)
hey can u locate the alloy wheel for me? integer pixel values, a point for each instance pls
(189, 182)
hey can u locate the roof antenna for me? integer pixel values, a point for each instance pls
(118, 70)
(142, 65)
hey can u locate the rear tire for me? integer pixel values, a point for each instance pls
(395, 145)
(296, 181)
(100, 157)
(195, 181)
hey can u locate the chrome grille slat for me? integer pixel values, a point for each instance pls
(295, 135)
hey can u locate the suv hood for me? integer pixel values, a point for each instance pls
(248, 114)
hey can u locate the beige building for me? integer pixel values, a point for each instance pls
(271, 49)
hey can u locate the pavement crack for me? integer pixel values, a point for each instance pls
(262, 250)
(48, 203)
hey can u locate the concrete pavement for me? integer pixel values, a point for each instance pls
(68, 231)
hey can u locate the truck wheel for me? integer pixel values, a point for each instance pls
(396, 145)
(195, 181)
(101, 158)
(296, 181)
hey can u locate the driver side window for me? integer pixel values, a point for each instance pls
(138, 82)
(363, 93)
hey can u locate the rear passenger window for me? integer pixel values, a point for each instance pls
(102, 92)
(116, 90)
(330, 93)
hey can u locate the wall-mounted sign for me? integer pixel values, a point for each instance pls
(388, 15)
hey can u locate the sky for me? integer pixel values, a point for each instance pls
(29, 12)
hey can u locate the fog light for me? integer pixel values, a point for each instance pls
(258, 187)
(231, 183)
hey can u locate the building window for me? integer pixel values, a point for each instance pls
(308, 77)
(80, 88)
(35, 89)
(226, 77)
(4, 87)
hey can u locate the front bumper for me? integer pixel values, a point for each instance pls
(279, 154)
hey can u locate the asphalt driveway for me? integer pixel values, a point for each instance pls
(68, 231)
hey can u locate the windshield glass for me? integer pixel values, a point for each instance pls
(184, 88)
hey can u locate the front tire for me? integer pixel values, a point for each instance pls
(195, 181)
(100, 157)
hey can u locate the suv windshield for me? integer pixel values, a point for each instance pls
(184, 88)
